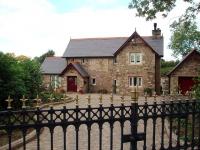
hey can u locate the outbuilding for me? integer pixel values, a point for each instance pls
(182, 77)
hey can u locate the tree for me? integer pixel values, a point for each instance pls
(150, 8)
(167, 66)
(185, 37)
(18, 77)
(42, 57)
(31, 77)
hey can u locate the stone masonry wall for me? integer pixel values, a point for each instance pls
(189, 68)
(122, 70)
(165, 84)
(46, 80)
(97, 68)
(81, 85)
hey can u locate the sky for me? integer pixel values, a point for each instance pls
(32, 27)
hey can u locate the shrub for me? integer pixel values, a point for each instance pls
(47, 94)
(103, 91)
(148, 91)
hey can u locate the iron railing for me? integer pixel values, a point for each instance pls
(166, 125)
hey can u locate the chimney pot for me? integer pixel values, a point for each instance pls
(156, 32)
(155, 26)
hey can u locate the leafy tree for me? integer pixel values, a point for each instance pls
(31, 77)
(150, 8)
(185, 36)
(18, 77)
(42, 57)
(167, 66)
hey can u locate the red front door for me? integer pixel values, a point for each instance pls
(185, 84)
(72, 84)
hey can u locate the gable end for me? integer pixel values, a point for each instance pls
(135, 35)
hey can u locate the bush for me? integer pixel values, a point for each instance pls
(196, 88)
(103, 91)
(19, 76)
(148, 91)
(47, 94)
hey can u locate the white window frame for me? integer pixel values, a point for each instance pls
(133, 58)
(55, 81)
(135, 81)
(93, 81)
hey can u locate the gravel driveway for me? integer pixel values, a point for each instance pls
(58, 133)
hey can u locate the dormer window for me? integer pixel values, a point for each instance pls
(135, 58)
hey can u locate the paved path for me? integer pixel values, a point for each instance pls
(58, 133)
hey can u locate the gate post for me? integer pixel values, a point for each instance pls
(134, 119)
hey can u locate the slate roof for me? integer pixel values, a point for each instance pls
(53, 65)
(105, 47)
(78, 68)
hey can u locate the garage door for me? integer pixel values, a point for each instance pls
(186, 84)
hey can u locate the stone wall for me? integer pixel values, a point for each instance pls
(165, 84)
(188, 68)
(46, 80)
(122, 70)
(99, 69)
(82, 85)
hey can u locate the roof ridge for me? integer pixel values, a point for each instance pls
(100, 38)
(54, 57)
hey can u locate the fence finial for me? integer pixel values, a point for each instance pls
(51, 99)
(64, 98)
(9, 100)
(23, 102)
(122, 99)
(134, 96)
(38, 101)
(89, 100)
(76, 99)
(154, 96)
(100, 99)
(111, 98)
(145, 97)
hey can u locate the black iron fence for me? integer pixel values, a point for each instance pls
(164, 125)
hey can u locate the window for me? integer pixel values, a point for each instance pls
(55, 81)
(93, 81)
(135, 58)
(135, 81)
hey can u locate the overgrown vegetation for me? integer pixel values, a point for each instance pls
(185, 37)
(167, 66)
(19, 76)
(196, 88)
(151, 8)
(40, 59)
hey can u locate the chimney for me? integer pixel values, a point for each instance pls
(156, 32)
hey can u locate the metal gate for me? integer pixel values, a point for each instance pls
(164, 125)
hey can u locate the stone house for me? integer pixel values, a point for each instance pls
(116, 64)
(182, 77)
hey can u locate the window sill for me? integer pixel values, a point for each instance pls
(135, 64)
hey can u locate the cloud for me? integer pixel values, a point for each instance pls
(31, 27)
